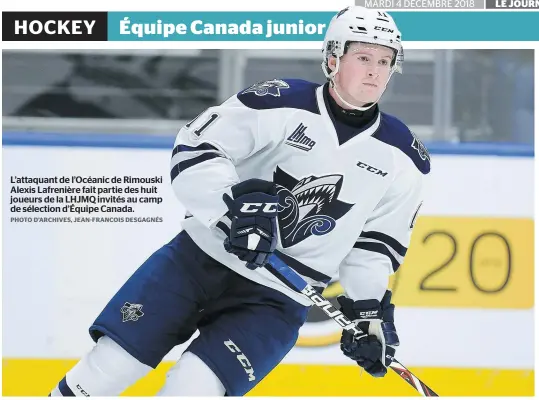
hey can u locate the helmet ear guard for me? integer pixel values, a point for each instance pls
(331, 50)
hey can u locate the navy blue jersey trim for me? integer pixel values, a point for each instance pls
(221, 225)
(378, 248)
(382, 237)
(184, 148)
(64, 389)
(299, 94)
(394, 133)
(183, 165)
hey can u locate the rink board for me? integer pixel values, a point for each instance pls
(296, 380)
(470, 264)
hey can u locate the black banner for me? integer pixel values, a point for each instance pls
(54, 26)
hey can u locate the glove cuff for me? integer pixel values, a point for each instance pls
(254, 185)
(360, 310)
(390, 333)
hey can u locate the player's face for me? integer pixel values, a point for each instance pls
(363, 73)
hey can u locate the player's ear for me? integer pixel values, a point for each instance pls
(332, 63)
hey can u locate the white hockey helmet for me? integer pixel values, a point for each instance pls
(360, 24)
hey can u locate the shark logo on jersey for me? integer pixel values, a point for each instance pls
(272, 87)
(420, 147)
(309, 206)
(131, 312)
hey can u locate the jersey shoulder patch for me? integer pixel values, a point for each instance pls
(281, 93)
(394, 132)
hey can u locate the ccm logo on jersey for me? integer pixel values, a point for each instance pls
(241, 358)
(372, 169)
(269, 208)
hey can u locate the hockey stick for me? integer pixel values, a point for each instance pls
(292, 279)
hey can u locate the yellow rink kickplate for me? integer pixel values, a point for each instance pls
(36, 377)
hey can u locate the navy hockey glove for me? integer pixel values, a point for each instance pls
(253, 211)
(375, 350)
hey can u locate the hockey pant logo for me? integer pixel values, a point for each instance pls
(131, 312)
(241, 358)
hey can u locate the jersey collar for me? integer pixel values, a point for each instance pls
(343, 131)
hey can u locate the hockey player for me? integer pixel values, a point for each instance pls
(317, 175)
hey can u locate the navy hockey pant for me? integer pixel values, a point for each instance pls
(245, 328)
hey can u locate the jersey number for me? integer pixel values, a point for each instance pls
(198, 132)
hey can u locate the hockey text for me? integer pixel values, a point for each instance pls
(60, 27)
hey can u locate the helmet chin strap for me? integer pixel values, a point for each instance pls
(334, 86)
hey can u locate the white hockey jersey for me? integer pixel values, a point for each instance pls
(348, 198)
